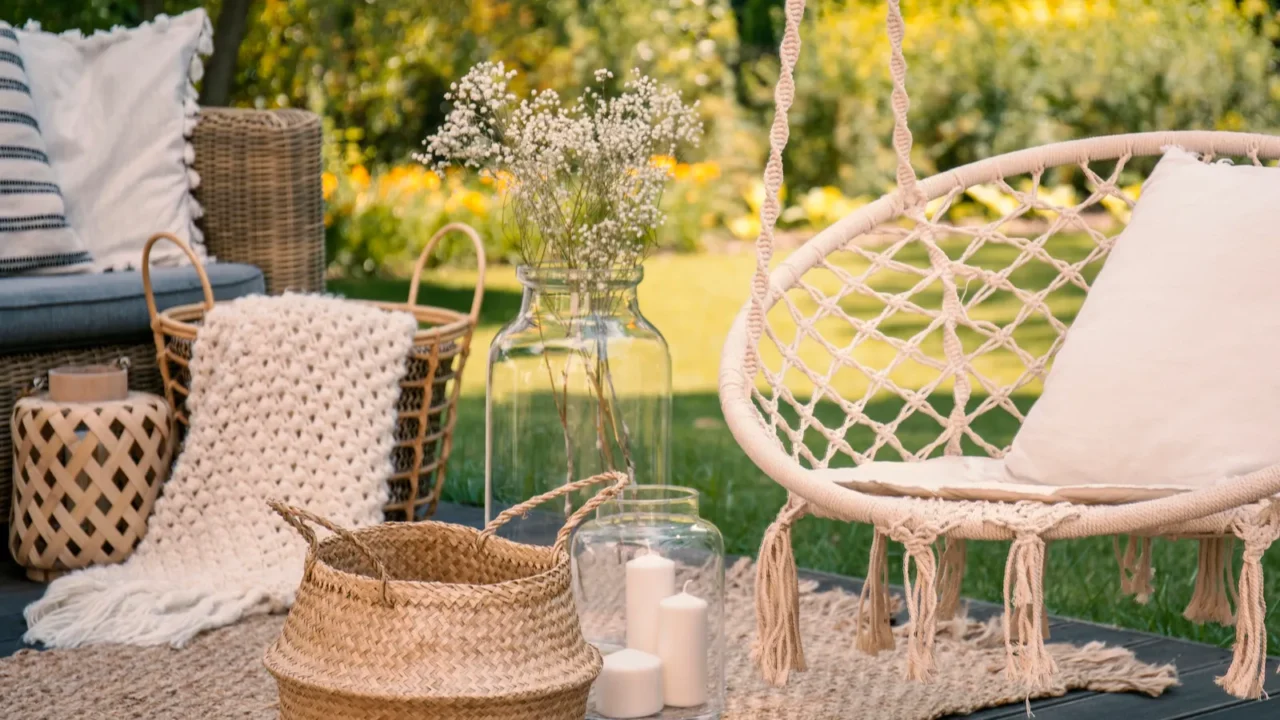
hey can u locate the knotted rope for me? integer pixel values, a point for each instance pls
(784, 94)
(873, 632)
(1214, 579)
(778, 649)
(1136, 572)
(951, 576)
(922, 597)
(1027, 658)
(1248, 668)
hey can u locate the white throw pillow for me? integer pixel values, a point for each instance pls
(117, 109)
(34, 233)
(1168, 376)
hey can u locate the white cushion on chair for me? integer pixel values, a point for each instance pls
(1169, 378)
(980, 478)
(116, 108)
(1169, 375)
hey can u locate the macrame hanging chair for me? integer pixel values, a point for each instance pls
(794, 439)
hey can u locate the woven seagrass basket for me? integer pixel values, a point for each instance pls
(433, 620)
(427, 408)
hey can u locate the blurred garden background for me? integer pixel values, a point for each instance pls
(987, 76)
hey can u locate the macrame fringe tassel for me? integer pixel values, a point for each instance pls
(874, 632)
(1248, 670)
(950, 577)
(1214, 579)
(922, 604)
(1027, 658)
(778, 649)
(1136, 572)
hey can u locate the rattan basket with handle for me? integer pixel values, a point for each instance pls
(427, 409)
(433, 620)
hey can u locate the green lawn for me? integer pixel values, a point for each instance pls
(693, 298)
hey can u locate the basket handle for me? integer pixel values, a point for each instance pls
(620, 481)
(426, 253)
(298, 518)
(195, 263)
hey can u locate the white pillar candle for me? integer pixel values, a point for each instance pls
(650, 578)
(682, 647)
(630, 685)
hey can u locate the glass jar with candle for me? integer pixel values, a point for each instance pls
(648, 578)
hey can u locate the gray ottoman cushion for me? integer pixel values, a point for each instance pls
(50, 312)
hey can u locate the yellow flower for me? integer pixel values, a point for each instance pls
(504, 180)
(328, 183)
(680, 172)
(704, 172)
(665, 162)
(476, 203)
(359, 177)
(745, 227)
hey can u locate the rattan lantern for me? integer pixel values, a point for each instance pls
(86, 474)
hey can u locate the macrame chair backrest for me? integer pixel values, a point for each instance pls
(890, 333)
(906, 330)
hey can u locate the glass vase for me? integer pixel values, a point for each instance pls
(579, 382)
(648, 580)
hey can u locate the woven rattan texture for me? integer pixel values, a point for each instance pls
(464, 628)
(221, 674)
(17, 372)
(87, 477)
(261, 192)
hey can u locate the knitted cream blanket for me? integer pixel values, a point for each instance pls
(293, 398)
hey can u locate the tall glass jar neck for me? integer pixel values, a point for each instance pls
(663, 500)
(567, 292)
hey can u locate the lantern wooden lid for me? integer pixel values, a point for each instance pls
(88, 383)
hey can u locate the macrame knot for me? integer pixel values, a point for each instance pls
(1027, 658)
(873, 632)
(778, 649)
(1245, 677)
(922, 597)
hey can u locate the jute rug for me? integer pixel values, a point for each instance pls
(220, 674)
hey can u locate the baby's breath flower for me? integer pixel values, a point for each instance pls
(581, 182)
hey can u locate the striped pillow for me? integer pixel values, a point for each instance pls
(34, 234)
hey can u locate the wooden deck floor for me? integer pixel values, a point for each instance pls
(1198, 665)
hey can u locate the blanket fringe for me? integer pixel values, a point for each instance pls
(1136, 572)
(1027, 658)
(922, 600)
(83, 610)
(951, 576)
(873, 632)
(1245, 677)
(1214, 579)
(778, 649)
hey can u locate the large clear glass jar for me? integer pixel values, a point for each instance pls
(648, 577)
(579, 382)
